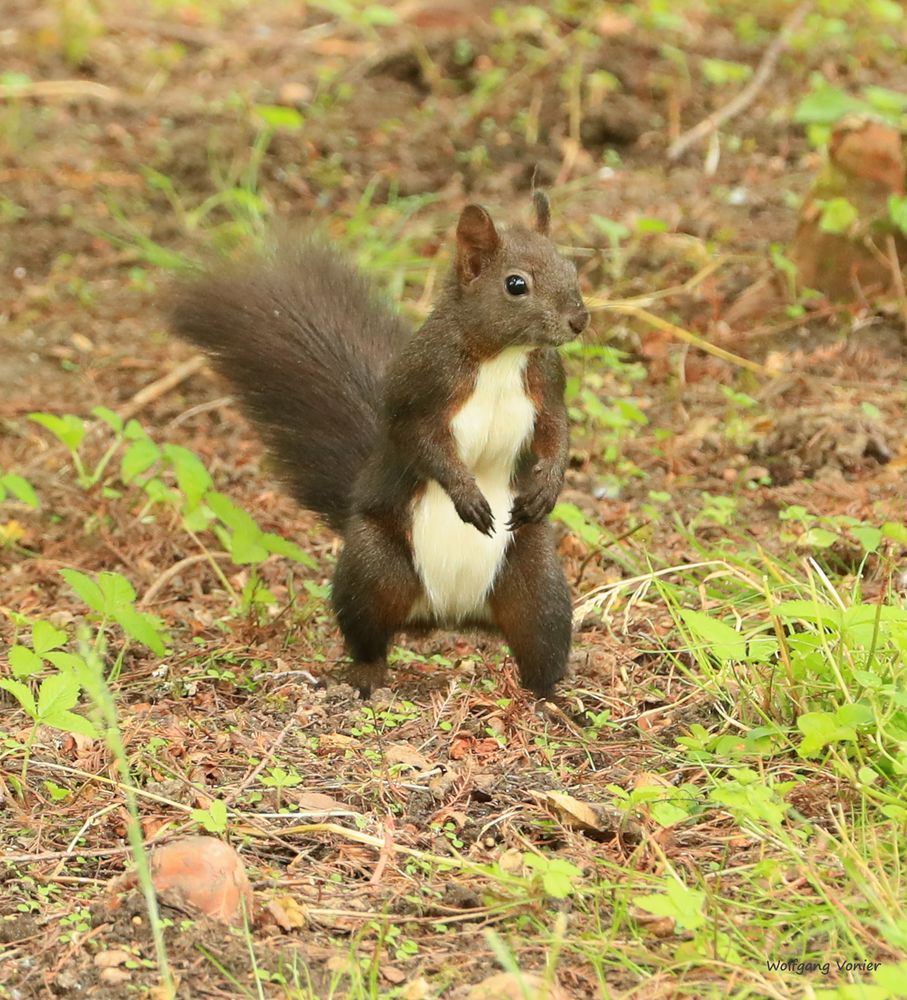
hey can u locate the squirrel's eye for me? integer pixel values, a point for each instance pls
(516, 284)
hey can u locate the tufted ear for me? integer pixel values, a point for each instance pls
(477, 241)
(542, 211)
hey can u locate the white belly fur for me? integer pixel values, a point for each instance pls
(457, 563)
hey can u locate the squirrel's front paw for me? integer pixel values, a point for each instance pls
(472, 508)
(535, 503)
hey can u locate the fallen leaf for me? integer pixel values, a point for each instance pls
(403, 753)
(318, 802)
(581, 815)
(287, 913)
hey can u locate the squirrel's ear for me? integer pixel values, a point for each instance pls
(477, 240)
(542, 211)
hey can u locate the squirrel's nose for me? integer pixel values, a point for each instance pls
(577, 320)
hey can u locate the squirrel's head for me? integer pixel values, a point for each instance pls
(515, 287)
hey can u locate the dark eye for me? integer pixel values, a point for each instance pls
(516, 284)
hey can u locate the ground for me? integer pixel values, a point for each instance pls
(717, 787)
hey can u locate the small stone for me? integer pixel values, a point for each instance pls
(111, 958)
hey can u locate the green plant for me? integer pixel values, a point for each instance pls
(214, 818)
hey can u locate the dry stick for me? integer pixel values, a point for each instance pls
(194, 411)
(163, 385)
(59, 90)
(175, 570)
(897, 276)
(626, 309)
(261, 765)
(749, 93)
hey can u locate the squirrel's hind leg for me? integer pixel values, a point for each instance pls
(374, 588)
(530, 604)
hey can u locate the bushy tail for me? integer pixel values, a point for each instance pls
(305, 341)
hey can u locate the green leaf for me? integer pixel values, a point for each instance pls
(284, 547)
(113, 420)
(885, 101)
(68, 429)
(246, 548)
(748, 799)
(578, 523)
(134, 431)
(141, 627)
(856, 713)
(117, 591)
(380, 16)
(56, 792)
(138, 458)
(67, 661)
(819, 729)
(838, 216)
(818, 538)
(45, 637)
(71, 722)
(646, 225)
(808, 611)
(869, 538)
(22, 694)
(86, 588)
(58, 693)
(192, 477)
(214, 818)
(897, 211)
(21, 489)
(614, 231)
(232, 516)
(685, 905)
(14, 81)
(720, 72)
(24, 662)
(896, 531)
(826, 106)
(280, 117)
(724, 642)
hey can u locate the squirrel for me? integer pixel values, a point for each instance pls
(436, 455)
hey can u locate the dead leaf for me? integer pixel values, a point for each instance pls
(655, 718)
(318, 802)
(393, 975)
(403, 753)
(287, 913)
(657, 926)
(336, 741)
(583, 815)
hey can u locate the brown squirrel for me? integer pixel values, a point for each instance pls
(438, 456)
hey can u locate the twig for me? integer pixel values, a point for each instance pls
(174, 570)
(64, 90)
(194, 411)
(897, 276)
(163, 385)
(626, 309)
(749, 93)
(262, 764)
